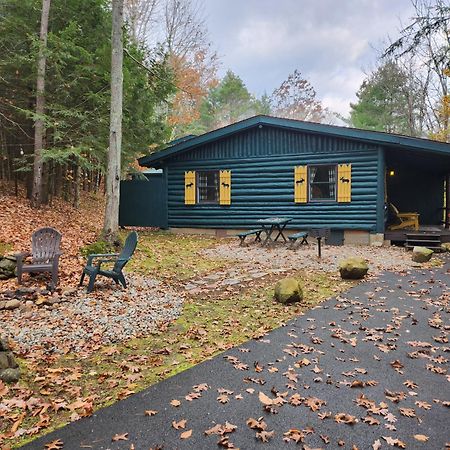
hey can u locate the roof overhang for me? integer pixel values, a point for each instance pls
(375, 137)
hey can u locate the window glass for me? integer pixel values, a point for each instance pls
(208, 186)
(322, 182)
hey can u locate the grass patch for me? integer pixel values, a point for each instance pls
(5, 248)
(174, 257)
(206, 327)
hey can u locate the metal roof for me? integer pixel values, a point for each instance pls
(376, 137)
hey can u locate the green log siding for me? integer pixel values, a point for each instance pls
(262, 162)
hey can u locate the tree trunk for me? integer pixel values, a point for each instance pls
(111, 222)
(76, 185)
(39, 129)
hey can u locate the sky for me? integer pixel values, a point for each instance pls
(334, 43)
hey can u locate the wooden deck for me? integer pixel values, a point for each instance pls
(425, 230)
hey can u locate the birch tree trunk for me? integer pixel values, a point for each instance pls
(39, 129)
(111, 222)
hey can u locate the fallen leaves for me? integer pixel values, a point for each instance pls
(345, 418)
(265, 436)
(180, 424)
(421, 437)
(314, 403)
(394, 442)
(186, 434)
(407, 412)
(120, 437)
(57, 444)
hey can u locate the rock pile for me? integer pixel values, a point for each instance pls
(9, 369)
(25, 297)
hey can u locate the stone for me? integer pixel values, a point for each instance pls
(4, 361)
(69, 292)
(7, 267)
(12, 304)
(421, 254)
(10, 375)
(231, 282)
(2, 305)
(288, 290)
(4, 347)
(353, 268)
(446, 246)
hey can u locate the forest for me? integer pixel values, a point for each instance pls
(171, 87)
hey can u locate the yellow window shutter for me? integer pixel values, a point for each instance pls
(301, 184)
(225, 187)
(189, 188)
(344, 183)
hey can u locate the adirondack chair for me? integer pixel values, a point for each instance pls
(406, 220)
(44, 254)
(94, 262)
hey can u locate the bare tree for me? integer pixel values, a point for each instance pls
(142, 17)
(39, 126)
(297, 99)
(111, 222)
(426, 41)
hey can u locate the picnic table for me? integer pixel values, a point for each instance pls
(272, 225)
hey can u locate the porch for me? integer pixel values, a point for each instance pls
(417, 182)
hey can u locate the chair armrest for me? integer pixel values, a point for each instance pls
(20, 257)
(105, 256)
(22, 254)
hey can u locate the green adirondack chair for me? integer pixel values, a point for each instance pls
(94, 262)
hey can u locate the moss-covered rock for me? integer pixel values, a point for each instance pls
(7, 267)
(446, 246)
(421, 254)
(288, 290)
(353, 268)
(10, 375)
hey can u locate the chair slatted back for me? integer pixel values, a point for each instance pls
(127, 251)
(45, 244)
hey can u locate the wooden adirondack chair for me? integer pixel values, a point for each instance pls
(406, 220)
(119, 260)
(44, 254)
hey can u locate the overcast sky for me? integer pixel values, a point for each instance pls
(332, 42)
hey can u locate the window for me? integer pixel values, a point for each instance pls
(322, 182)
(208, 186)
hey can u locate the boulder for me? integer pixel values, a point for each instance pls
(421, 254)
(9, 369)
(288, 290)
(7, 267)
(353, 268)
(446, 246)
(10, 375)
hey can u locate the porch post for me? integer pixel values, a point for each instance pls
(381, 195)
(447, 201)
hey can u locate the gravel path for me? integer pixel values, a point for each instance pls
(108, 315)
(305, 257)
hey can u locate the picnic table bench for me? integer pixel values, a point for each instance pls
(303, 235)
(257, 232)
